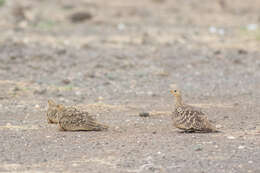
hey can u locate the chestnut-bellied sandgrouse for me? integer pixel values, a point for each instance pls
(188, 118)
(73, 119)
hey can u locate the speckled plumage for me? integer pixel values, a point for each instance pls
(74, 119)
(188, 118)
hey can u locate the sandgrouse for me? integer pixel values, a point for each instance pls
(188, 118)
(71, 118)
(74, 119)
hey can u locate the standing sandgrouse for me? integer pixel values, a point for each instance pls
(188, 118)
(74, 119)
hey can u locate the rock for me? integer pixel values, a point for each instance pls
(66, 81)
(251, 27)
(242, 51)
(150, 93)
(121, 26)
(237, 61)
(236, 104)
(221, 31)
(78, 93)
(78, 17)
(241, 147)
(212, 29)
(231, 137)
(216, 30)
(61, 51)
(198, 148)
(144, 114)
(16, 89)
(217, 52)
(40, 91)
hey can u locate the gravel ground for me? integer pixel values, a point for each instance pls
(117, 59)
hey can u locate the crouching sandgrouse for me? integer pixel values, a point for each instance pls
(188, 118)
(74, 119)
(71, 118)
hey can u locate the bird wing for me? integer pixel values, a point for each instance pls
(194, 109)
(196, 119)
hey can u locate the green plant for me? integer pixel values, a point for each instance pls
(2, 2)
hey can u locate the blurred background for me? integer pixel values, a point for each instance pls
(124, 45)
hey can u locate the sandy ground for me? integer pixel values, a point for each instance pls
(118, 62)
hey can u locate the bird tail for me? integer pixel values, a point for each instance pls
(213, 129)
(95, 126)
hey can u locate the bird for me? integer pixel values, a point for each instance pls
(73, 119)
(188, 118)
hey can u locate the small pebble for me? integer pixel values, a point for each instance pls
(212, 29)
(61, 51)
(78, 93)
(217, 52)
(66, 81)
(121, 26)
(150, 93)
(242, 51)
(241, 147)
(198, 148)
(251, 27)
(74, 164)
(221, 31)
(16, 88)
(231, 137)
(144, 114)
(40, 91)
(237, 61)
(80, 17)
(236, 104)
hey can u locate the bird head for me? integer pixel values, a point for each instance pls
(51, 103)
(175, 91)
